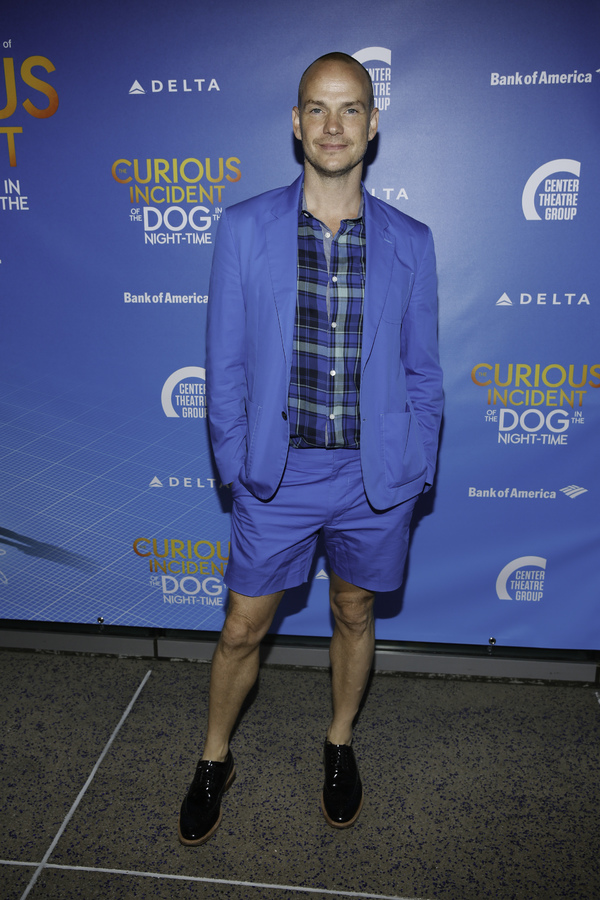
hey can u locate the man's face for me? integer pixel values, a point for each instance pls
(334, 123)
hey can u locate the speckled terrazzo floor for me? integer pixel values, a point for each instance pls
(473, 789)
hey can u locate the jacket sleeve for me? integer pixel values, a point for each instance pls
(226, 386)
(421, 356)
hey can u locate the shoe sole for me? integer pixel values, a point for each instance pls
(198, 841)
(347, 824)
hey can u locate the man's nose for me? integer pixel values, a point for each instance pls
(333, 125)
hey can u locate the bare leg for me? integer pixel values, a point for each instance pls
(351, 654)
(235, 666)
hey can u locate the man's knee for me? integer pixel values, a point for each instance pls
(248, 620)
(352, 607)
(240, 631)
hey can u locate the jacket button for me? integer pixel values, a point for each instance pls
(284, 416)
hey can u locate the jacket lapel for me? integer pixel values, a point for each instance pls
(380, 258)
(282, 252)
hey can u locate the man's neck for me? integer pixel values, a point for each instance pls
(332, 199)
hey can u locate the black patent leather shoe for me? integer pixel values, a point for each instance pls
(200, 814)
(342, 796)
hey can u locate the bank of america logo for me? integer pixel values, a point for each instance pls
(504, 300)
(136, 88)
(573, 490)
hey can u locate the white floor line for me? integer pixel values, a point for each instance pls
(231, 882)
(79, 797)
(17, 862)
(225, 881)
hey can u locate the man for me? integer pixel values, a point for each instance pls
(324, 405)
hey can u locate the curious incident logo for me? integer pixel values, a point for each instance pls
(176, 201)
(535, 404)
(29, 84)
(188, 572)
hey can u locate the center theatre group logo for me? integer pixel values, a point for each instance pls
(184, 394)
(32, 107)
(522, 579)
(381, 75)
(551, 196)
(169, 196)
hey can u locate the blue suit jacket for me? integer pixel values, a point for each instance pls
(251, 314)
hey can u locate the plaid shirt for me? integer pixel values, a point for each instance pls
(323, 398)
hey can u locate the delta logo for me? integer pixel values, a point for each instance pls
(544, 298)
(183, 481)
(175, 86)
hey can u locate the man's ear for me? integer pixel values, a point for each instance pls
(373, 123)
(296, 123)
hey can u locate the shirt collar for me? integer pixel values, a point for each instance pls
(304, 209)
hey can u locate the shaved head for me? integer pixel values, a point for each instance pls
(338, 58)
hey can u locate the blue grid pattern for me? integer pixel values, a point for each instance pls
(74, 495)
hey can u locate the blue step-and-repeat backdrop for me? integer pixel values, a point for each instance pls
(125, 128)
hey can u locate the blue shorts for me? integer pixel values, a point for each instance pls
(273, 542)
